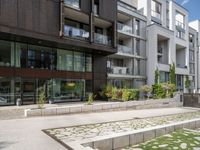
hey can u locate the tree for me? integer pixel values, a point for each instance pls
(187, 82)
(172, 74)
(157, 75)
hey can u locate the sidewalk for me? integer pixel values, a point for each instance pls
(26, 134)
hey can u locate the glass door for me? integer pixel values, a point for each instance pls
(28, 91)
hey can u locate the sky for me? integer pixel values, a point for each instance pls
(193, 6)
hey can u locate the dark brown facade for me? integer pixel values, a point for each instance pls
(43, 23)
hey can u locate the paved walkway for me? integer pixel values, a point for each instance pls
(26, 134)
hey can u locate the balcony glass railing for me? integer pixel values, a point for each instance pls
(102, 39)
(156, 15)
(124, 49)
(75, 32)
(120, 70)
(180, 24)
(124, 28)
(73, 3)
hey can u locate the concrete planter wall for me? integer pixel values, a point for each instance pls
(121, 140)
(159, 103)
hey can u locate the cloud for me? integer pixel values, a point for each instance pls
(185, 2)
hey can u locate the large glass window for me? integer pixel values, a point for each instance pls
(68, 89)
(156, 9)
(79, 61)
(179, 82)
(88, 63)
(137, 47)
(6, 91)
(73, 3)
(32, 56)
(64, 60)
(6, 53)
(164, 76)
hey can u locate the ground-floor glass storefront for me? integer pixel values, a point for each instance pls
(28, 89)
(64, 74)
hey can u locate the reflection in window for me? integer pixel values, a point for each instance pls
(68, 89)
(6, 91)
(79, 61)
(6, 52)
(64, 60)
(88, 63)
(34, 57)
(31, 56)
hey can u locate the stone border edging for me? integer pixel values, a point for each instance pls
(160, 103)
(121, 140)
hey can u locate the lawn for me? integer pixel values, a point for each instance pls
(178, 140)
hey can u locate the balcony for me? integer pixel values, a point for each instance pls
(75, 32)
(183, 66)
(120, 70)
(191, 45)
(124, 49)
(72, 3)
(180, 34)
(102, 39)
(124, 28)
(127, 8)
(180, 25)
(156, 17)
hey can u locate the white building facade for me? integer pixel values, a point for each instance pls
(154, 34)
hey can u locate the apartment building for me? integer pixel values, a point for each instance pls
(167, 39)
(193, 61)
(59, 47)
(127, 68)
(196, 25)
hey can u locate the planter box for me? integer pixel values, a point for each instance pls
(158, 103)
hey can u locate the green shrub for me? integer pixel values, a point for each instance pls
(90, 99)
(172, 89)
(42, 100)
(164, 90)
(130, 94)
(108, 91)
(187, 82)
(158, 91)
(146, 89)
(114, 93)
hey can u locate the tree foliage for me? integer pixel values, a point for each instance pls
(172, 74)
(157, 75)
